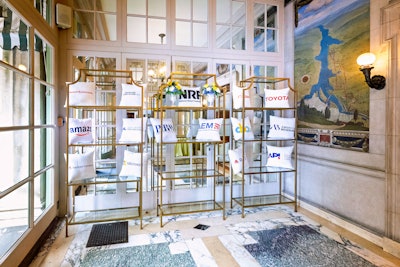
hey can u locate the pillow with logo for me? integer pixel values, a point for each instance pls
(236, 160)
(278, 98)
(81, 166)
(281, 127)
(82, 94)
(133, 163)
(238, 128)
(131, 95)
(80, 131)
(190, 98)
(237, 97)
(209, 129)
(168, 132)
(132, 128)
(280, 156)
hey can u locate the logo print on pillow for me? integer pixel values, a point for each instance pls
(210, 125)
(241, 129)
(274, 155)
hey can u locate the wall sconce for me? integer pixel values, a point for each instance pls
(365, 61)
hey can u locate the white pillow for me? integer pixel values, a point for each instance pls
(280, 156)
(190, 98)
(209, 129)
(133, 163)
(237, 97)
(80, 131)
(81, 166)
(131, 95)
(281, 127)
(238, 128)
(82, 94)
(169, 135)
(236, 160)
(132, 128)
(278, 98)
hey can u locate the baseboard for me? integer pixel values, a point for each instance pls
(371, 237)
(38, 245)
(391, 246)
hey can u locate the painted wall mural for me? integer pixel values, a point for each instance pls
(333, 107)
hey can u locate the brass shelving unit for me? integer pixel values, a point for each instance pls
(107, 183)
(258, 167)
(199, 168)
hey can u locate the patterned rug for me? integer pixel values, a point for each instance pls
(140, 256)
(300, 246)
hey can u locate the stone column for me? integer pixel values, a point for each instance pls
(390, 29)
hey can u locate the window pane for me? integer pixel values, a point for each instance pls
(200, 34)
(271, 16)
(200, 10)
(183, 9)
(84, 4)
(83, 25)
(239, 13)
(259, 40)
(43, 59)
(43, 197)
(271, 41)
(14, 218)
(106, 5)
(157, 8)
(43, 112)
(157, 27)
(14, 46)
(222, 7)
(43, 149)
(106, 27)
(239, 38)
(183, 33)
(223, 37)
(15, 98)
(259, 15)
(136, 30)
(14, 157)
(43, 7)
(137, 7)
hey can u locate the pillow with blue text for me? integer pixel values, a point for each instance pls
(132, 129)
(278, 98)
(190, 98)
(80, 131)
(82, 94)
(131, 95)
(81, 166)
(238, 128)
(280, 156)
(209, 129)
(281, 127)
(167, 129)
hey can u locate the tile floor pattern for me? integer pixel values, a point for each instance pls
(179, 243)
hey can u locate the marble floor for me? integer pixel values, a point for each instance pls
(179, 243)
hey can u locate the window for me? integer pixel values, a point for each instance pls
(27, 129)
(191, 25)
(95, 20)
(146, 21)
(231, 24)
(265, 28)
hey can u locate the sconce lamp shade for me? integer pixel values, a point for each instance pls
(366, 60)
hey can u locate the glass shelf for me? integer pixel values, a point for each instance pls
(189, 207)
(104, 215)
(253, 201)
